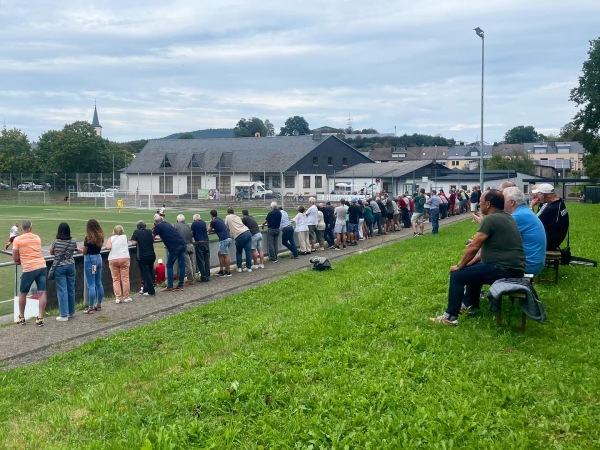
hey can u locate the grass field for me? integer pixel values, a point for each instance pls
(339, 359)
(46, 217)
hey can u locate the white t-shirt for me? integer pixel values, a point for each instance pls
(120, 248)
(14, 231)
(301, 222)
(311, 215)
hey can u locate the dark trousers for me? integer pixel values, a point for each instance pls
(243, 243)
(203, 259)
(329, 237)
(176, 254)
(287, 239)
(377, 218)
(146, 266)
(273, 243)
(405, 218)
(472, 278)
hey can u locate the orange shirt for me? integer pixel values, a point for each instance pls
(30, 251)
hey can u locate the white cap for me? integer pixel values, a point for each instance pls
(160, 261)
(544, 188)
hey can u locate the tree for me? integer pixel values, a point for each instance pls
(587, 95)
(15, 152)
(249, 127)
(187, 135)
(270, 128)
(521, 134)
(519, 161)
(591, 143)
(296, 125)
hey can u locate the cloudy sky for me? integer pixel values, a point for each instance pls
(156, 68)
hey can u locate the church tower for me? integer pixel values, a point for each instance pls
(96, 122)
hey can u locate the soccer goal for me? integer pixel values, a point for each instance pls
(32, 197)
(138, 200)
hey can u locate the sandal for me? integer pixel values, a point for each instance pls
(89, 311)
(97, 308)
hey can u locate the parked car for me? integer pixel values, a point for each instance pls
(91, 187)
(27, 186)
(46, 186)
(4, 186)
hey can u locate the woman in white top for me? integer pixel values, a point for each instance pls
(302, 231)
(118, 261)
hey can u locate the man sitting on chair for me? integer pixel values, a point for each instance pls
(553, 214)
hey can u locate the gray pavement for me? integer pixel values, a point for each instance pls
(23, 345)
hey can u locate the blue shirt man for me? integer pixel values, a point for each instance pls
(176, 251)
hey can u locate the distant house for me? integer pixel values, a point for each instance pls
(455, 157)
(287, 164)
(563, 156)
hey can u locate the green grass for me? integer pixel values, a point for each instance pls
(339, 359)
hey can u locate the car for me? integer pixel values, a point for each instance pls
(27, 186)
(46, 186)
(38, 187)
(91, 187)
(4, 186)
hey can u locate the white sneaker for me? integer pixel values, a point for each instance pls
(254, 267)
(117, 301)
(248, 270)
(127, 300)
(141, 291)
(62, 318)
(239, 270)
(244, 269)
(261, 266)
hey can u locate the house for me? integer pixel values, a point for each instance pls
(563, 156)
(286, 164)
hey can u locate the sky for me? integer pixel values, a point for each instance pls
(156, 68)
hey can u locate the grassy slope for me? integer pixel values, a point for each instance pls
(331, 359)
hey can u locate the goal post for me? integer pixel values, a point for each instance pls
(138, 200)
(32, 197)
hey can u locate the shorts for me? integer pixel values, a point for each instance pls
(257, 241)
(11, 239)
(352, 227)
(390, 216)
(312, 232)
(418, 218)
(396, 217)
(224, 246)
(340, 227)
(27, 279)
(320, 235)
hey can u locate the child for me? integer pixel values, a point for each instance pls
(14, 232)
(161, 211)
(159, 272)
(120, 204)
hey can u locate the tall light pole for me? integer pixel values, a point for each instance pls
(481, 34)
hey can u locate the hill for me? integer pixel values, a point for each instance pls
(205, 134)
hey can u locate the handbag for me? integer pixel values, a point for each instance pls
(56, 262)
(565, 253)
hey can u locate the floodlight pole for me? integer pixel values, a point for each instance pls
(481, 34)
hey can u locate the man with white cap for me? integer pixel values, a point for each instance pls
(553, 214)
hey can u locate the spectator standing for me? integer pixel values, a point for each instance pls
(92, 264)
(369, 220)
(320, 229)
(258, 256)
(27, 251)
(361, 220)
(418, 217)
(243, 240)
(190, 258)
(340, 225)
(376, 215)
(218, 227)
(201, 247)
(175, 251)
(353, 214)
(302, 231)
(273, 221)
(63, 248)
(329, 223)
(311, 221)
(434, 211)
(144, 241)
(474, 199)
(119, 263)
(287, 234)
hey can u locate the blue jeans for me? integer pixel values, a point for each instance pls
(370, 228)
(287, 239)
(473, 278)
(94, 280)
(329, 237)
(176, 254)
(64, 276)
(435, 220)
(377, 218)
(243, 243)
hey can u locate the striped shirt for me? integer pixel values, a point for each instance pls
(29, 246)
(63, 247)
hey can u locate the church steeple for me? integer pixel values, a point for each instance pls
(96, 122)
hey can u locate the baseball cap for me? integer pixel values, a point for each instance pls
(544, 188)
(160, 261)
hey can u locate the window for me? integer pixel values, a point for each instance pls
(290, 181)
(344, 161)
(306, 182)
(194, 182)
(165, 162)
(224, 184)
(165, 184)
(330, 161)
(319, 182)
(315, 160)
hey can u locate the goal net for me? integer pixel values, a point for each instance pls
(32, 196)
(139, 200)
